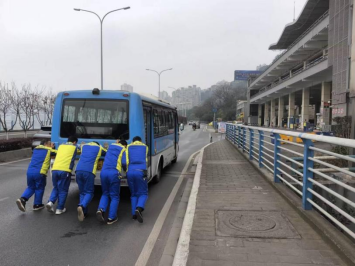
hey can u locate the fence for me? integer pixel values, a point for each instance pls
(306, 169)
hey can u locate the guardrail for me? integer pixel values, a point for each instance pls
(306, 169)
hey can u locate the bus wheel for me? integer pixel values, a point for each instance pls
(175, 160)
(157, 178)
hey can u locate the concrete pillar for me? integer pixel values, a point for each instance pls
(281, 111)
(259, 114)
(291, 108)
(325, 97)
(305, 106)
(272, 113)
(266, 115)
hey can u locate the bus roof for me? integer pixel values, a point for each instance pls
(144, 96)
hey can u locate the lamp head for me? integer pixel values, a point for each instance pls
(77, 9)
(126, 8)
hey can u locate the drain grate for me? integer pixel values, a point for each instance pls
(258, 224)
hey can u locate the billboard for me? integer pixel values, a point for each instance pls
(222, 127)
(244, 74)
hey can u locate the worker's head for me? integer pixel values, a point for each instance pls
(122, 142)
(73, 139)
(137, 138)
(46, 142)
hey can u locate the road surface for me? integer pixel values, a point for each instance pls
(42, 238)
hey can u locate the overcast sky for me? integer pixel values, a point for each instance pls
(45, 42)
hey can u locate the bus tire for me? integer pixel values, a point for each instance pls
(157, 178)
(174, 161)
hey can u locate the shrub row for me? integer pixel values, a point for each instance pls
(15, 144)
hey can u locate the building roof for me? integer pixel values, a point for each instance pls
(311, 12)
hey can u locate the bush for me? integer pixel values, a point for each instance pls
(15, 144)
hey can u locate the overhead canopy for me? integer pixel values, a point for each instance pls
(311, 12)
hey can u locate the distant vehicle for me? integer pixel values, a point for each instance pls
(190, 123)
(198, 125)
(44, 133)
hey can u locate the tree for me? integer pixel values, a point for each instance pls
(45, 107)
(6, 108)
(25, 104)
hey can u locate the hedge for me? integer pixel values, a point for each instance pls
(15, 144)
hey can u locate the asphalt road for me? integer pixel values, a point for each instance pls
(42, 238)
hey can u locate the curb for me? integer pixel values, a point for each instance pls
(182, 250)
(9, 156)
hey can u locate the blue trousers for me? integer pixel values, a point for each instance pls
(138, 187)
(61, 182)
(86, 186)
(36, 184)
(110, 184)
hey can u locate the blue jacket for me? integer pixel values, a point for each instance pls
(90, 155)
(136, 156)
(41, 159)
(115, 158)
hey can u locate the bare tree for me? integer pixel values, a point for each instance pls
(47, 107)
(6, 108)
(25, 103)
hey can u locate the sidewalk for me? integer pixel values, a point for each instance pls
(241, 220)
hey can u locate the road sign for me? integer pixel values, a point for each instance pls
(214, 110)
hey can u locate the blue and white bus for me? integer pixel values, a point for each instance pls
(105, 116)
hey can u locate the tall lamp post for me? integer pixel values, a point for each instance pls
(101, 21)
(159, 73)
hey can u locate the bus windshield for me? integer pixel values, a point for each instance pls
(95, 119)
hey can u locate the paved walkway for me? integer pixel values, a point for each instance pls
(241, 220)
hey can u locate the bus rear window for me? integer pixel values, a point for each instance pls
(95, 119)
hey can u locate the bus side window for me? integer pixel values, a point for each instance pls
(171, 123)
(162, 127)
(156, 124)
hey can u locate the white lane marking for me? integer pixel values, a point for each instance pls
(150, 243)
(182, 250)
(4, 199)
(15, 161)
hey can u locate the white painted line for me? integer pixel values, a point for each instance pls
(149, 244)
(182, 250)
(4, 199)
(15, 161)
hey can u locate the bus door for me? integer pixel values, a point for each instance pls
(147, 113)
(177, 129)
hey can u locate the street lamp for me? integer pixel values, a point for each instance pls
(159, 73)
(101, 21)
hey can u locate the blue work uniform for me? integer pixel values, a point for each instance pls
(114, 164)
(86, 171)
(61, 173)
(136, 159)
(37, 173)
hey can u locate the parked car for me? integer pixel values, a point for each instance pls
(190, 123)
(44, 133)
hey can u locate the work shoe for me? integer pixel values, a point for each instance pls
(134, 217)
(38, 207)
(49, 206)
(100, 215)
(60, 211)
(21, 204)
(81, 215)
(111, 221)
(139, 215)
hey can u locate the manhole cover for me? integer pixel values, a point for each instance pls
(256, 224)
(252, 222)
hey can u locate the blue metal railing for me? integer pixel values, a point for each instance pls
(304, 168)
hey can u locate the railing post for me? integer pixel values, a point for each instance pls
(235, 134)
(277, 144)
(251, 144)
(307, 153)
(238, 141)
(261, 139)
(244, 138)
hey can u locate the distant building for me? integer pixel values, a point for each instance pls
(165, 96)
(262, 67)
(127, 87)
(187, 98)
